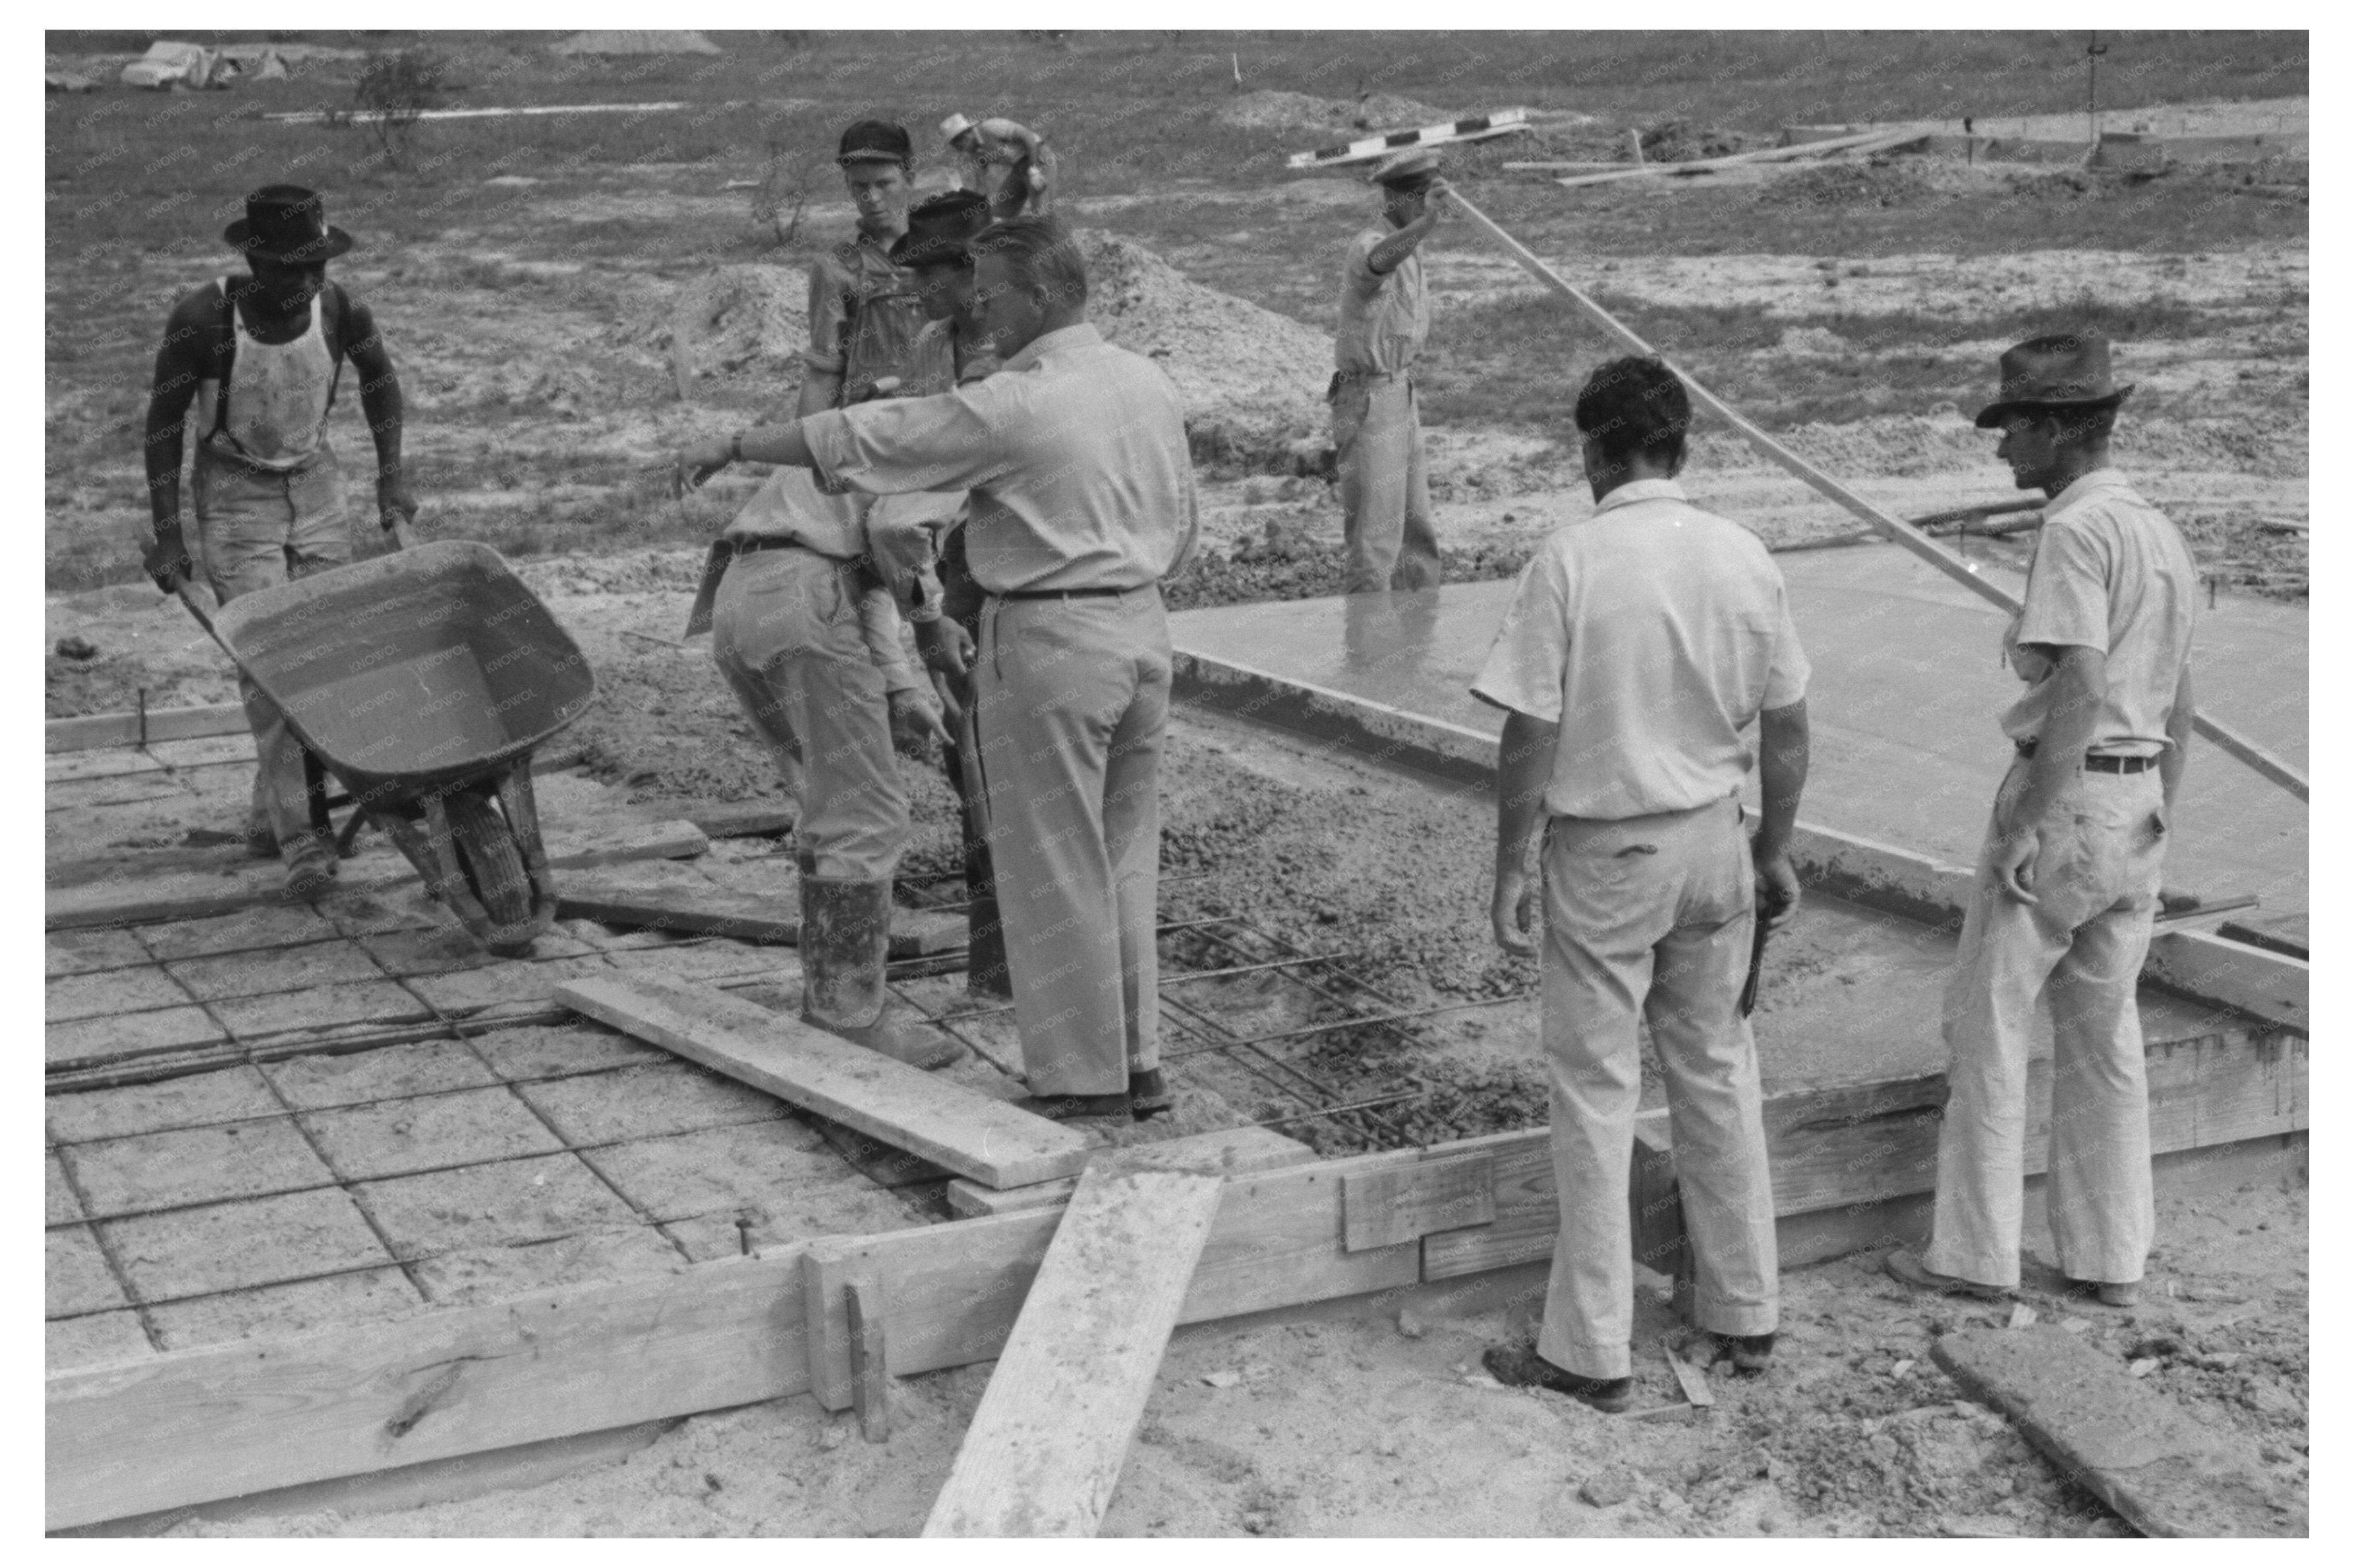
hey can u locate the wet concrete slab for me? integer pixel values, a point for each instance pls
(270, 925)
(462, 992)
(368, 1296)
(544, 1051)
(398, 1138)
(196, 1165)
(59, 1205)
(1905, 701)
(513, 1202)
(252, 1242)
(82, 952)
(93, 1341)
(723, 1170)
(651, 1101)
(74, 1275)
(320, 1007)
(391, 1072)
(487, 1273)
(235, 1093)
(108, 991)
(127, 1035)
(274, 970)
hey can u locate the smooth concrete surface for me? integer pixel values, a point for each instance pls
(1907, 692)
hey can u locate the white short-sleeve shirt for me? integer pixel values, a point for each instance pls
(1653, 634)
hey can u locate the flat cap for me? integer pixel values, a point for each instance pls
(1416, 165)
(875, 140)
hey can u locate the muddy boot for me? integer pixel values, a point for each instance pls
(309, 865)
(845, 936)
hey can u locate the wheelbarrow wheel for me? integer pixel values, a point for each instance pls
(490, 857)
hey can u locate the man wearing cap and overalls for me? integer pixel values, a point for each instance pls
(1376, 426)
(938, 252)
(1083, 499)
(261, 356)
(2067, 882)
(1002, 160)
(800, 599)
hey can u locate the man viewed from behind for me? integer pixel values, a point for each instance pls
(1638, 647)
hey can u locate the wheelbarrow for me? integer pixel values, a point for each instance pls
(421, 681)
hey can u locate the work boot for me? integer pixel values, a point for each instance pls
(2108, 1293)
(1747, 1353)
(310, 866)
(1902, 1266)
(1148, 1094)
(1084, 1107)
(1519, 1366)
(846, 937)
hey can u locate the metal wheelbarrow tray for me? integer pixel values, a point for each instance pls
(422, 681)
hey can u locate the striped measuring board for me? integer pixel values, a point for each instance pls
(1478, 128)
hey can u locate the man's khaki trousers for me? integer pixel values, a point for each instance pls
(2078, 949)
(1650, 917)
(1071, 698)
(1384, 493)
(256, 529)
(785, 633)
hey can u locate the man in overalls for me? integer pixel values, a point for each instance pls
(801, 597)
(260, 356)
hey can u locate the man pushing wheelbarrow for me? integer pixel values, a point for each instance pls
(260, 354)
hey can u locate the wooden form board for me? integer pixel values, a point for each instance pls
(1895, 529)
(951, 1293)
(1045, 1445)
(1403, 1203)
(1861, 142)
(1847, 1160)
(960, 1128)
(1230, 1151)
(745, 917)
(192, 1426)
(2122, 1440)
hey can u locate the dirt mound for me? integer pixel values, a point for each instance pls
(1252, 379)
(1679, 141)
(735, 321)
(1270, 109)
(635, 41)
(1894, 183)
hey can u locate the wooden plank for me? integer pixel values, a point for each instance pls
(870, 1374)
(744, 916)
(585, 849)
(1046, 1443)
(2210, 967)
(91, 731)
(1230, 1151)
(1862, 143)
(952, 1126)
(955, 1290)
(1526, 1217)
(1383, 1208)
(1773, 451)
(2122, 1440)
(190, 1426)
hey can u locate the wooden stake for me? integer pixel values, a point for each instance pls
(1774, 451)
(870, 1381)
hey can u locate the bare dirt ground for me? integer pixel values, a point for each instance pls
(534, 318)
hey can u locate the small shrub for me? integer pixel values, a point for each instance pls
(393, 91)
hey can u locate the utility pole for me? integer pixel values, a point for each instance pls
(2094, 50)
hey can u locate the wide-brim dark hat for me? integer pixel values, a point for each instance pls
(940, 230)
(289, 224)
(2064, 372)
(1410, 170)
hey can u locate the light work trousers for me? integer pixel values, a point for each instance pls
(1384, 493)
(1652, 916)
(786, 635)
(256, 529)
(1071, 700)
(2078, 951)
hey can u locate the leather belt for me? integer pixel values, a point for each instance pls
(760, 542)
(1071, 593)
(2100, 762)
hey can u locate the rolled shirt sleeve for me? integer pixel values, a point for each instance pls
(948, 441)
(1528, 664)
(1358, 269)
(2067, 590)
(1785, 676)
